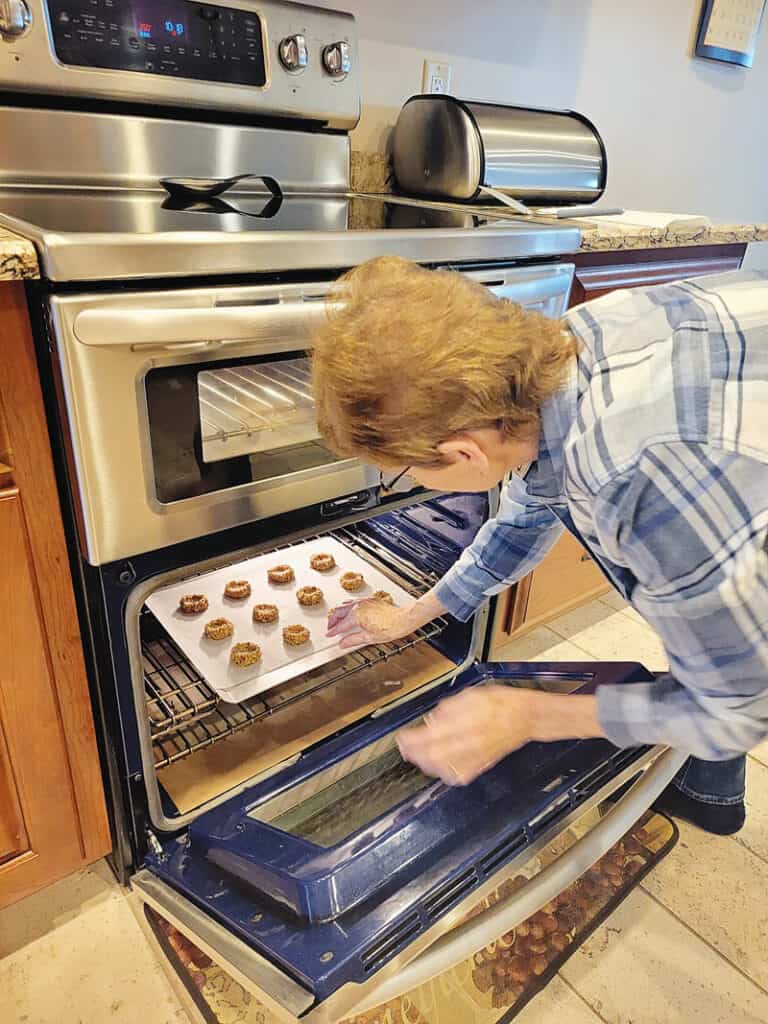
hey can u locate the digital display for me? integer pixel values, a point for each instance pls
(175, 38)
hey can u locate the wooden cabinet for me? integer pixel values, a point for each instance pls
(52, 812)
(567, 577)
(598, 273)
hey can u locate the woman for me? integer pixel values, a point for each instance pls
(644, 419)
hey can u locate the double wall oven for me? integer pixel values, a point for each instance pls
(281, 833)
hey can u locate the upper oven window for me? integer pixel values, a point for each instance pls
(256, 408)
(223, 424)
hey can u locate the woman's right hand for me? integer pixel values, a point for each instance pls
(369, 621)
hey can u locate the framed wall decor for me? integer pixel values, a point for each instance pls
(728, 30)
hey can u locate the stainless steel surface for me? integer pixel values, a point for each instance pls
(279, 992)
(386, 983)
(107, 342)
(474, 935)
(215, 326)
(447, 147)
(15, 19)
(29, 64)
(106, 409)
(294, 55)
(111, 151)
(337, 59)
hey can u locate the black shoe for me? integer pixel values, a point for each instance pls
(718, 819)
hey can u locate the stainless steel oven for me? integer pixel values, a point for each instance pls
(190, 409)
(281, 833)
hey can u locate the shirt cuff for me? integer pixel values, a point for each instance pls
(627, 714)
(456, 599)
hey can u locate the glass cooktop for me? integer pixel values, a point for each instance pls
(141, 212)
(92, 234)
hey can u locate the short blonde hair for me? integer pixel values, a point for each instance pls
(408, 357)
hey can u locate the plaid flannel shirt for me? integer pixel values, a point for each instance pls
(655, 454)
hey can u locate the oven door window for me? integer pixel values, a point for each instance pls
(225, 424)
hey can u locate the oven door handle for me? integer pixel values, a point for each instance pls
(467, 939)
(270, 323)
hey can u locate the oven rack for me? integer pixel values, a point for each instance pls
(247, 409)
(185, 715)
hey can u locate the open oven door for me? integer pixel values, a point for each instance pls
(403, 875)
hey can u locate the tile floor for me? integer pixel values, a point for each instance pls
(691, 944)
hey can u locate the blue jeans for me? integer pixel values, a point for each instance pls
(713, 782)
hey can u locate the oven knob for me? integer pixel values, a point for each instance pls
(293, 53)
(15, 18)
(337, 59)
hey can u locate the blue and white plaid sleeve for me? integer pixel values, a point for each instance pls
(505, 549)
(690, 521)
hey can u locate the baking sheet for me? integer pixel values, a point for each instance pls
(278, 661)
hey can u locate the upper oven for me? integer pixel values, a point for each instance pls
(189, 411)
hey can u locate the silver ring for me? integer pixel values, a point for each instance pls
(454, 770)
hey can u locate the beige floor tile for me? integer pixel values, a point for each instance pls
(556, 1004)
(760, 753)
(529, 647)
(644, 967)
(611, 636)
(754, 835)
(718, 887)
(75, 955)
(559, 650)
(617, 602)
(614, 600)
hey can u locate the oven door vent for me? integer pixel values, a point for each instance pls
(605, 772)
(501, 853)
(450, 893)
(390, 941)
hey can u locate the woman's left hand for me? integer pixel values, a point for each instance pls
(467, 734)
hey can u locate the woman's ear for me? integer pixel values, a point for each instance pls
(463, 448)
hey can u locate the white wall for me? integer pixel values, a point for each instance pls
(682, 134)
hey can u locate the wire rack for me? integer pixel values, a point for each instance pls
(247, 409)
(185, 714)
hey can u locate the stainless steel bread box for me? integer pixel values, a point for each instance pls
(450, 148)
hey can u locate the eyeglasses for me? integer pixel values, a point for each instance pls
(390, 483)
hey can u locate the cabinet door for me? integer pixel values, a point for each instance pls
(603, 272)
(565, 579)
(39, 833)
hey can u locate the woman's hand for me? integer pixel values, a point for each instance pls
(469, 733)
(369, 621)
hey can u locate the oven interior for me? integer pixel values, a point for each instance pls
(201, 749)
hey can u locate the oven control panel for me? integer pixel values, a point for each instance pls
(259, 58)
(191, 40)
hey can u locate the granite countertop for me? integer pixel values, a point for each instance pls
(18, 258)
(597, 236)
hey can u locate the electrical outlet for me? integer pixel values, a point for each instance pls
(436, 77)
